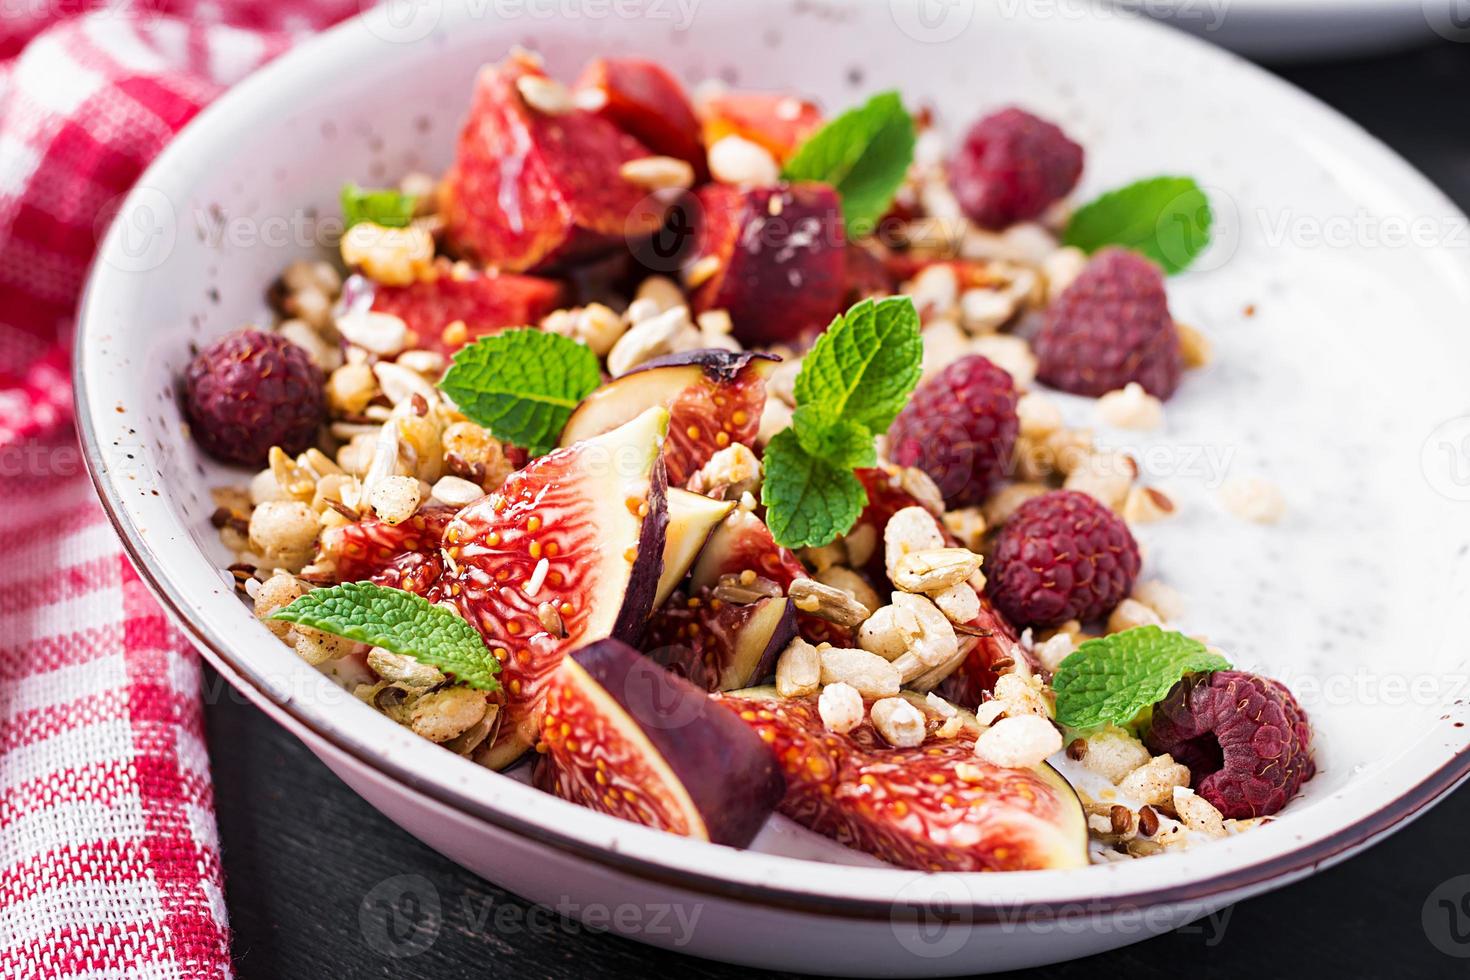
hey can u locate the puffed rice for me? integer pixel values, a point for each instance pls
(1153, 783)
(395, 498)
(391, 256)
(1161, 598)
(840, 707)
(1052, 651)
(1198, 813)
(934, 643)
(798, 670)
(274, 593)
(282, 529)
(900, 723)
(1018, 742)
(959, 603)
(908, 530)
(1131, 613)
(869, 673)
(887, 630)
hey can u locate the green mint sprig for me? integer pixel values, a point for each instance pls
(522, 384)
(864, 153)
(399, 621)
(853, 381)
(1167, 219)
(381, 206)
(1109, 680)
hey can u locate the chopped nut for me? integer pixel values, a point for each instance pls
(1162, 599)
(1198, 813)
(1067, 449)
(873, 676)
(736, 160)
(860, 543)
(849, 581)
(546, 95)
(1106, 476)
(1009, 353)
(968, 525)
(1018, 743)
(942, 707)
(833, 605)
(1038, 415)
(934, 569)
(1016, 695)
(775, 417)
(951, 727)
(379, 333)
(395, 498)
(657, 173)
(391, 256)
(317, 647)
(1253, 499)
(825, 556)
(921, 486)
(945, 342)
(1145, 505)
(799, 671)
(1052, 651)
(985, 310)
(441, 715)
(745, 588)
(456, 491)
(297, 481)
(1008, 499)
(326, 356)
(321, 276)
(900, 723)
(1131, 613)
(661, 290)
(395, 668)
(1130, 407)
(960, 603)
(1154, 782)
(701, 271)
(1061, 268)
(1113, 753)
(647, 339)
(910, 529)
(935, 290)
(599, 328)
(735, 467)
(400, 384)
(1194, 346)
(1148, 821)
(840, 707)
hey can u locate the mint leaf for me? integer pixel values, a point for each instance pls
(862, 370)
(522, 384)
(1166, 219)
(384, 206)
(842, 443)
(864, 153)
(809, 501)
(399, 621)
(1109, 680)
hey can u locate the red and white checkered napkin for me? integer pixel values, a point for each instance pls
(109, 861)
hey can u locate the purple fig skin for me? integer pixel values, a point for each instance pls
(780, 638)
(649, 562)
(726, 769)
(718, 364)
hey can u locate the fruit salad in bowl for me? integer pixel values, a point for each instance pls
(702, 455)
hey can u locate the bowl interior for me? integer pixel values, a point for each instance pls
(1333, 293)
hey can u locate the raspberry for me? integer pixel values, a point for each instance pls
(1110, 327)
(959, 427)
(250, 391)
(1246, 741)
(1011, 167)
(1061, 556)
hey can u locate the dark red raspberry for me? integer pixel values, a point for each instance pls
(1246, 741)
(1061, 556)
(1011, 167)
(960, 428)
(250, 391)
(1110, 327)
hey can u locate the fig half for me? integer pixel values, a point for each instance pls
(567, 551)
(623, 736)
(714, 398)
(934, 807)
(718, 645)
(692, 517)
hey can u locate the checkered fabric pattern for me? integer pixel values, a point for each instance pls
(109, 859)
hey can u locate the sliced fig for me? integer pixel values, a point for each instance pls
(483, 303)
(402, 556)
(692, 518)
(779, 256)
(530, 188)
(567, 551)
(743, 543)
(913, 807)
(643, 100)
(776, 120)
(714, 398)
(625, 737)
(718, 645)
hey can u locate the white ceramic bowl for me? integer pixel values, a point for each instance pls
(1332, 384)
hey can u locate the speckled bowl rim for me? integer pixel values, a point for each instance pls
(760, 879)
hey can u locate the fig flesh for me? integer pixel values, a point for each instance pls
(718, 645)
(485, 304)
(692, 518)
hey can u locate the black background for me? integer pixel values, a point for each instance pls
(302, 852)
